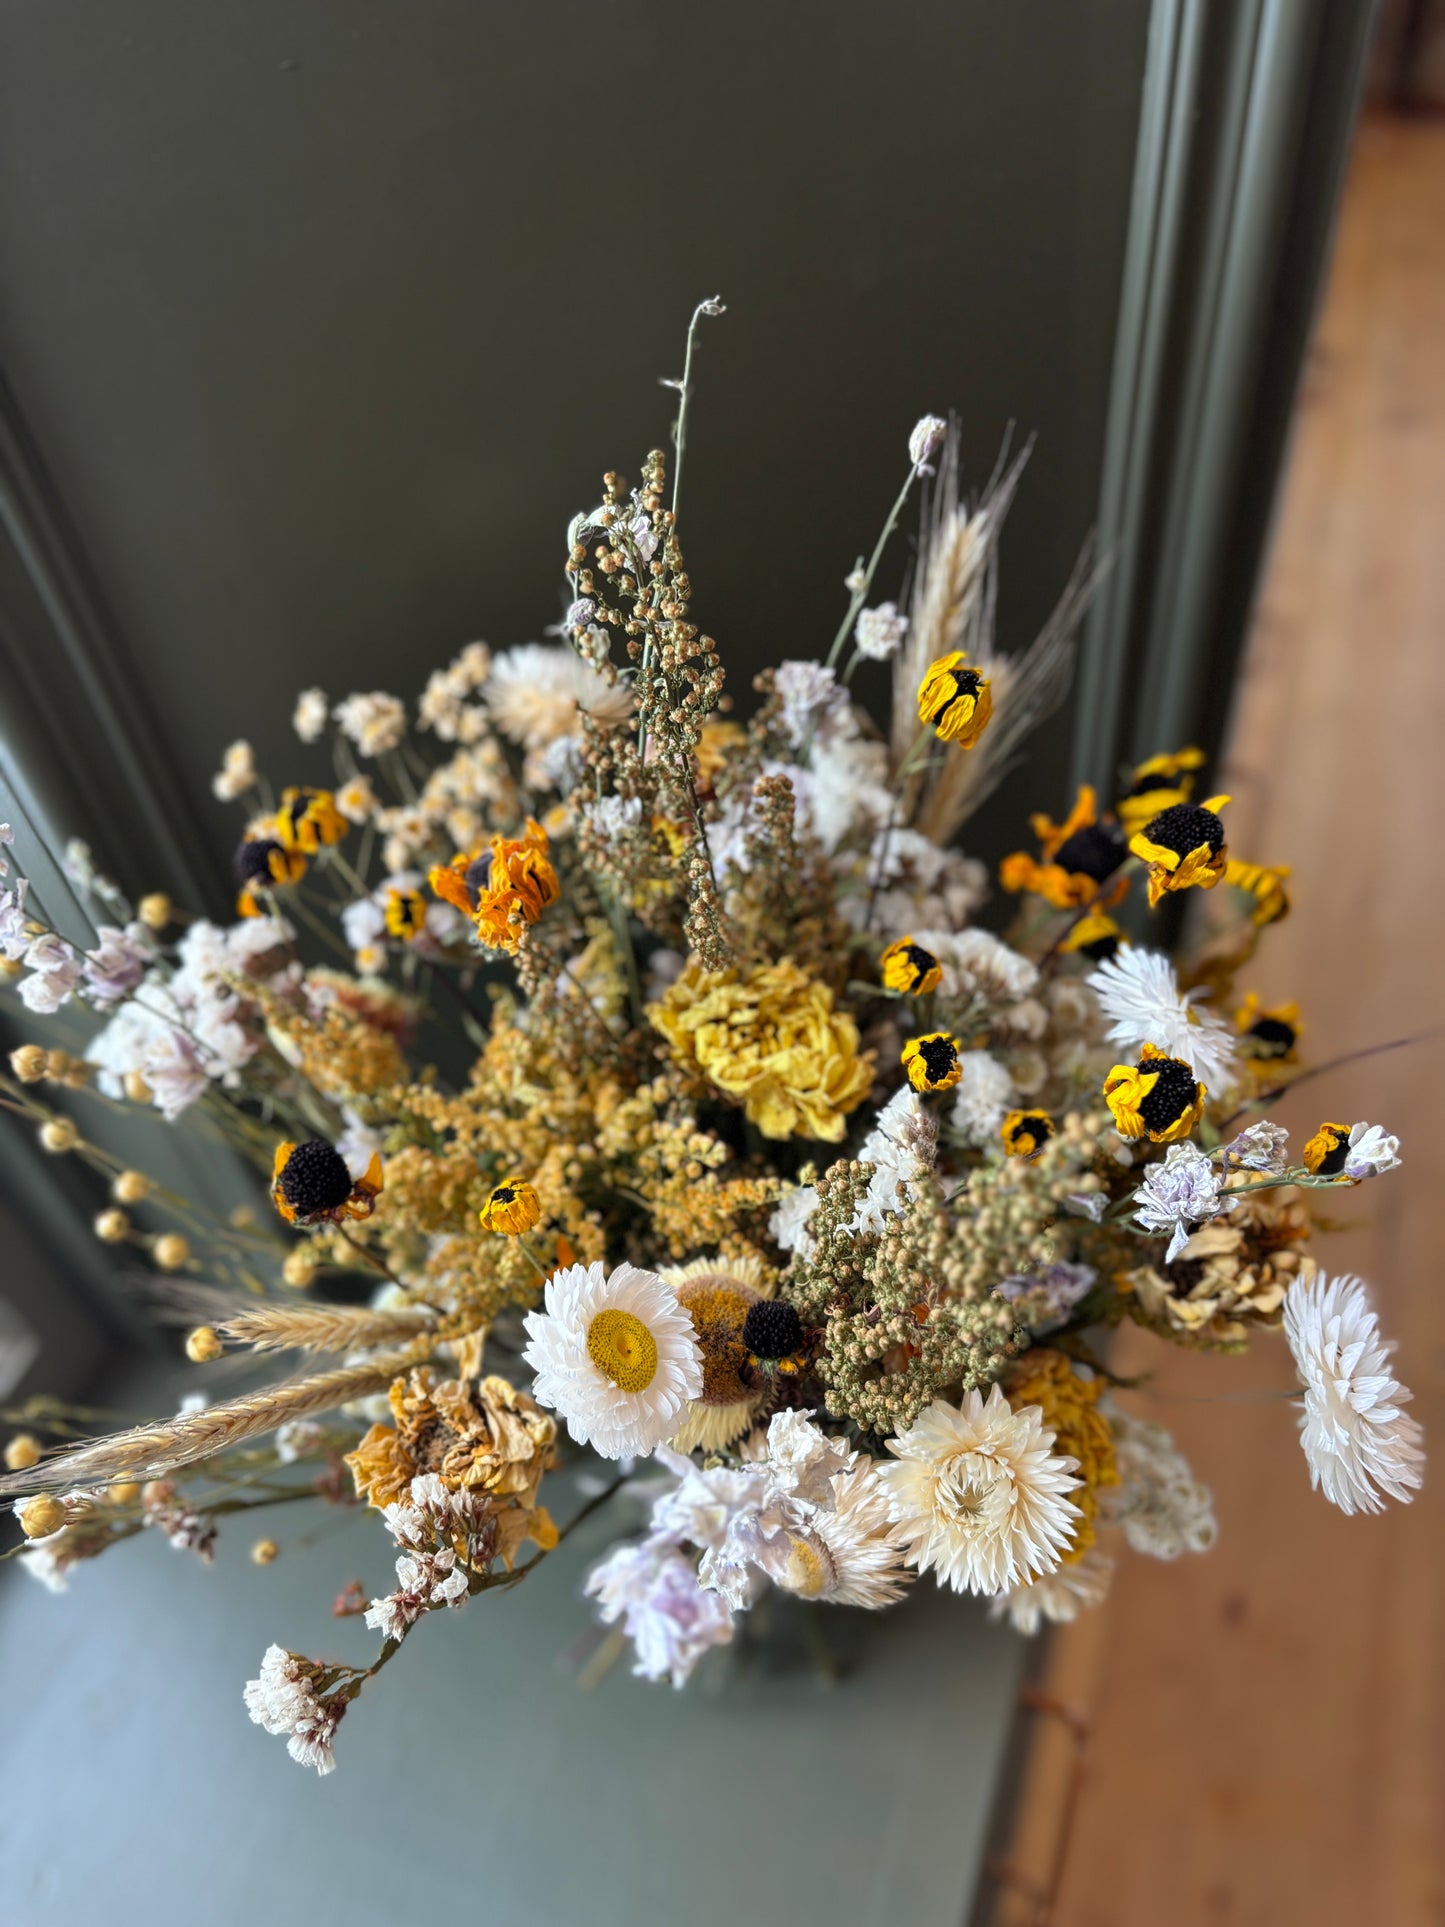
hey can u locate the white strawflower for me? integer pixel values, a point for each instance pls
(1356, 1436)
(978, 1494)
(1057, 1597)
(925, 441)
(1372, 1151)
(1140, 996)
(981, 1097)
(616, 1356)
(879, 632)
(1263, 1147)
(373, 720)
(535, 693)
(846, 1554)
(1163, 1509)
(1178, 1194)
(670, 1619)
(308, 718)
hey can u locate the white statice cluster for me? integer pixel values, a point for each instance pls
(181, 1526)
(451, 705)
(372, 720)
(1180, 1193)
(1161, 1507)
(1358, 1439)
(1051, 1292)
(184, 1028)
(428, 1572)
(299, 1438)
(311, 714)
(1140, 997)
(915, 885)
(56, 973)
(283, 1700)
(879, 632)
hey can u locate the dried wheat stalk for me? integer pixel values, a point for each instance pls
(323, 1328)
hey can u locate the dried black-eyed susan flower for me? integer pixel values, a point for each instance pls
(262, 863)
(308, 819)
(1265, 885)
(1077, 858)
(1184, 848)
(1325, 1153)
(719, 1295)
(1159, 1097)
(932, 1061)
(1270, 1036)
(956, 699)
(462, 881)
(1095, 936)
(1025, 1133)
(312, 1184)
(405, 914)
(906, 966)
(1158, 784)
(512, 1208)
(773, 1334)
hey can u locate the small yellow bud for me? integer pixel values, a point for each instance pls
(242, 1218)
(112, 1227)
(28, 1063)
(11, 969)
(203, 1345)
(155, 911)
(40, 1516)
(263, 1552)
(170, 1251)
(136, 1088)
(131, 1187)
(125, 1493)
(58, 1135)
(22, 1452)
(298, 1269)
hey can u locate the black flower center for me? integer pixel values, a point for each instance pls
(940, 1057)
(504, 1194)
(772, 1330)
(1184, 827)
(315, 1179)
(919, 960)
(1095, 851)
(1102, 948)
(478, 874)
(1173, 1094)
(1035, 1125)
(1272, 1037)
(1333, 1161)
(253, 860)
(966, 682)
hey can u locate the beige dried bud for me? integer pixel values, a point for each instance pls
(155, 911)
(28, 1063)
(40, 1516)
(112, 1227)
(263, 1552)
(156, 1492)
(298, 1269)
(22, 1452)
(57, 1135)
(242, 1218)
(11, 969)
(124, 1492)
(131, 1187)
(171, 1251)
(136, 1088)
(204, 1344)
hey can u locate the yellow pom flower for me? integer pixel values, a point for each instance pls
(932, 1061)
(1070, 1405)
(906, 966)
(956, 699)
(1184, 848)
(1324, 1155)
(1025, 1133)
(772, 1039)
(1158, 784)
(1159, 1097)
(512, 1208)
(307, 819)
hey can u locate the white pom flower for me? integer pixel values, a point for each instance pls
(616, 1356)
(1140, 996)
(1371, 1152)
(1357, 1437)
(979, 1495)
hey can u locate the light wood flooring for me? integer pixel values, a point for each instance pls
(1267, 1724)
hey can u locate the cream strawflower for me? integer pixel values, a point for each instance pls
(978, 1494)
(1357, 1439)
(535, 692)
(1058, 1596)
(1140, 996)
(616, 1356)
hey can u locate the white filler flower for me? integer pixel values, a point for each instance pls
(1356, 1436)
(1140, 996)
(616, 1356)
(979, 1494)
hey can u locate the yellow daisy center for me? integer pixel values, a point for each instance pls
(622, 1349)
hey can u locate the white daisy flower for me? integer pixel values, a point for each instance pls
(616, 1356)
(1058, 1596)
(1371, 1152)
(979, 1495)
(1357, 1437)
(1179, 1194)
(1140, 996)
